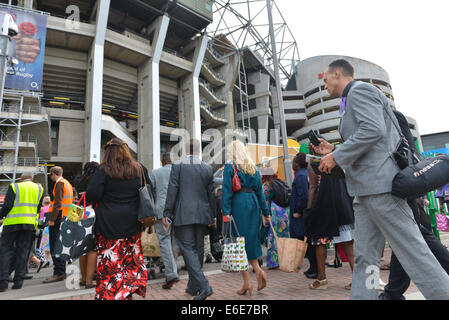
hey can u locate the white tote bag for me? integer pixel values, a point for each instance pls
(234, 254)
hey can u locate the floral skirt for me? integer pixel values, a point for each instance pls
(279, 219)
(121, 269)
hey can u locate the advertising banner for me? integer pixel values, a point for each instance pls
(28, 47)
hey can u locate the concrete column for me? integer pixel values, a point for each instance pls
(94, 89)
(148, 102)
(189, 102)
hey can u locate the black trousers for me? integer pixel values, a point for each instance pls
(311, 256)
(399, 281)
(59, 264)
(14, 252)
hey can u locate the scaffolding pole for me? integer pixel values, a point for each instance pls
(287, 161)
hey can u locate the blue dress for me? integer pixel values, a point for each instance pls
(298, 202)
(245, 207)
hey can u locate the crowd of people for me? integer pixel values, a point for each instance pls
(352, 209)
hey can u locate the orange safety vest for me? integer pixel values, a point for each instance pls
(67, 198)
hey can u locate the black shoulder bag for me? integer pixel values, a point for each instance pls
(146, 213)
(417, 176)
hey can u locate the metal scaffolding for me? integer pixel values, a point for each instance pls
(246, 24)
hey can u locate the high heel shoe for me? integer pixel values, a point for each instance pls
(46, 265)
(244, 290)
(41, 263)
(261, 281)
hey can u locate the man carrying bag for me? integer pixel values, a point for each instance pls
(370, 137)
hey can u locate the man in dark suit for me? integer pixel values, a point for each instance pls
(190, 204)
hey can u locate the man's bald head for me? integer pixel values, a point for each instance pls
(26, 175)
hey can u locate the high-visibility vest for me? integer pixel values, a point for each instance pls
(67, 198)
(28, 195)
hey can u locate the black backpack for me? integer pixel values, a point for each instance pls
(282, 193)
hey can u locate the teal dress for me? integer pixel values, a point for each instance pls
(245, 208)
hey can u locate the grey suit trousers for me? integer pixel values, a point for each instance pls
(167, 250)
(384, 216)
(190, 240)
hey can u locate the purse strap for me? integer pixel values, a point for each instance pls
(397, 127)
(142, 174)
(276, 236)
(227, 228)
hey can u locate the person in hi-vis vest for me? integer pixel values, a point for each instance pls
(20, 212)
(62, 198)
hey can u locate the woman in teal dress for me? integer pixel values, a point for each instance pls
(244, 207)
(279, 218)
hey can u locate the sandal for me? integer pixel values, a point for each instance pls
(319, 285)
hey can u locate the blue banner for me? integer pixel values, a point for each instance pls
(29, 48)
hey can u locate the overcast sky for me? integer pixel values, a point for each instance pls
(409, 39)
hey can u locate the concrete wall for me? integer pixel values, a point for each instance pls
(71, 139)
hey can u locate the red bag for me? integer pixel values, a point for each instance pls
(236, 184)
(341, 253)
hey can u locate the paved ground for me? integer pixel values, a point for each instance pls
(281, 286)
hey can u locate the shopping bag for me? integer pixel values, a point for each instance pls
(234, 257)
(442, 222)
(150, 243)
(76, 212)
(45, 240)
(75, 239)
(291, 252)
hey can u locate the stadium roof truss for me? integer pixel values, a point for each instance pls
(246, 25)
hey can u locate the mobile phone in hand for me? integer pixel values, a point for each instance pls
(314, 138)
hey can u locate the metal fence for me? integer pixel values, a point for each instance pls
(21, 162)
(14, 108)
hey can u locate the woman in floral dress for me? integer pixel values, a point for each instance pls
(279, 218)
(121, 270)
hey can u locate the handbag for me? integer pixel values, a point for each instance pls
(150, 243)
(417, 177)
(234, 257)
(442, 222)
(75, 239)
(146, 213)
(236, 184)
(76, 213)
(291, 252)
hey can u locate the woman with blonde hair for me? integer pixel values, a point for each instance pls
(244, 206)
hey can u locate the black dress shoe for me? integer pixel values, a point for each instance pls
(192, 292)
(204, 294)
(167, 285)
(17, 285)
(311, 275)
(3, 286)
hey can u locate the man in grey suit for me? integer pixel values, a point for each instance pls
(370, 136)
(169, 250)
(190, 204)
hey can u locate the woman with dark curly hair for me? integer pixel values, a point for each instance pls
(121, 270)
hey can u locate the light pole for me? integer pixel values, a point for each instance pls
(287, 162)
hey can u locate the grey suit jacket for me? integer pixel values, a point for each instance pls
(190, 198)
(369, 137)
(159, 179)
